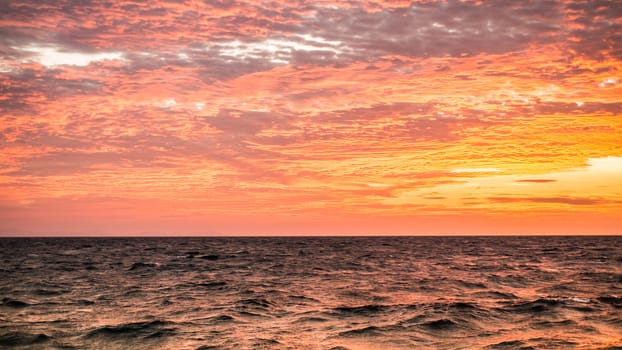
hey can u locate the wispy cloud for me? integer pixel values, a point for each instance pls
(542, 181)
(554, 200)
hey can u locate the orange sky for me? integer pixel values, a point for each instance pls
(209, 117)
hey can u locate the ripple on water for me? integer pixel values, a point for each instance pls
(311, 293)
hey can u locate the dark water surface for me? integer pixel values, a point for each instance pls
(311, 293)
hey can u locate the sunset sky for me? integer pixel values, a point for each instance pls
(289, 117)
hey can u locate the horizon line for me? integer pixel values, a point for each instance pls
(315, 235)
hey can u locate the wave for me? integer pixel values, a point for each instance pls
(14, 303)
(370, 331)
(142, 266)
(260, 303)
(365, 310)
(541, 305)
(509, 345)
(222, 318)
(23, 339)
(310, 319)
(145, 330)
(211, 347)
(442, 324)
(212, 285)
(613, 301)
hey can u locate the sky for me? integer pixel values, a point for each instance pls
(187, 117)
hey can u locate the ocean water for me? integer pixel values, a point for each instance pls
(311, 293)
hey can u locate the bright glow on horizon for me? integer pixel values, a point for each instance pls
(607, 164)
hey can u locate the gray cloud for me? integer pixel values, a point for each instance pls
(25, 86)
(251, 38)
(438, 28)
(598, 30)
(612, 108)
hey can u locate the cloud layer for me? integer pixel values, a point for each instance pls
(284, 114)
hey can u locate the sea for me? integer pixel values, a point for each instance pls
(334, 293)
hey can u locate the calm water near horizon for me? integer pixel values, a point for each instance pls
(311, 293)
